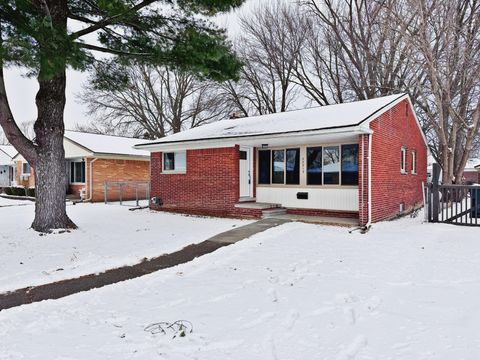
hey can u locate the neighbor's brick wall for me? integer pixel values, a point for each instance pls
(18, 176)
(472, 176)
(115, 170)
(392, 130)
(210, 185)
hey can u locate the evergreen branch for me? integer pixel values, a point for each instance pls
(111, 20)
(109, 51)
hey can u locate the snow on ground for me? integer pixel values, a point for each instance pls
(5, 202)
(109, 236)
(405, 290)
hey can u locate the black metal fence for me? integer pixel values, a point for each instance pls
(453, 204)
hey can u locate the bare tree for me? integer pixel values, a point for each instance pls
(149, 102)
(354, 53)
(273, 36)
(446, 36)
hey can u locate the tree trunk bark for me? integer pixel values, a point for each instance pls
(50, 170)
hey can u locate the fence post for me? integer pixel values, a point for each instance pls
(136, 194)
(435, 192)
(105, 191)
(121, 193)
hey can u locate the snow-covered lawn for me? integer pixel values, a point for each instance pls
(5, 202)
(108, 236)
(405, 290)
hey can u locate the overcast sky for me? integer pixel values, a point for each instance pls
(21, 91)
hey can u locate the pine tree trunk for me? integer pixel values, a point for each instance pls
(50, 170)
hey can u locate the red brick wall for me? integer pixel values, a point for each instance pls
(116, 170)
(472, 176)
(28, 182)
(210, 185)
(392, 130)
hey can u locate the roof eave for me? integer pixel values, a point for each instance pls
(233, 140)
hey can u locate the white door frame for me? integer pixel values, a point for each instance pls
(249, 150)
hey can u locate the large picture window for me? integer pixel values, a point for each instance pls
(350, 164)
(175, 161)
(279, 167)
(77, 172)
(314, 166)
(322, 165)
(331, 165)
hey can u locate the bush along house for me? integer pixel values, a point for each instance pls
(362, 160)
(91, 160)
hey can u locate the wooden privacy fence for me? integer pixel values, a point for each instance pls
(453, 204)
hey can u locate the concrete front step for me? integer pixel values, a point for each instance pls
(270, 213)
(256, 205)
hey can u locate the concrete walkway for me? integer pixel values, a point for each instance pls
(64, 288)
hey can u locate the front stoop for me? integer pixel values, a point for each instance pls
(273, 213)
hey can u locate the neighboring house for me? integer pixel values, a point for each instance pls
(7, 169)
(310, 162)
(471, 174)
(92, 160)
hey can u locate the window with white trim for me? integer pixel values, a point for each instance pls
(175, 161)
(403, 160)
(414, 162)
(26, 169)
(77, 172)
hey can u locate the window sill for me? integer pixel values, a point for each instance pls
(403, 172)
(173, 172)
(77, 183)
(414, 173)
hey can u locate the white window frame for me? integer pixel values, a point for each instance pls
(403, 162)
(174, 171)
(24, 174)
(74, 169)
(414, 162)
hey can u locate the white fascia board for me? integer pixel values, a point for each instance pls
(292, 138)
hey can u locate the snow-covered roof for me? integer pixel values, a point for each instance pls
(106, 144)
(9, 150)
(317, 118)
(472, 164)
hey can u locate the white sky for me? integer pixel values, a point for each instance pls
(21, 91)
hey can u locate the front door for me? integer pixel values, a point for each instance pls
(245, 171)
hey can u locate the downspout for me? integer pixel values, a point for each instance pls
(369, 198)
(91, 181)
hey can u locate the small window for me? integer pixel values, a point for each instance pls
(264, 166)
(331, 165)
(350, 164)
(403, 161)
(175, 161)
(414, 162)
(26, 169)
(77, 172)
(278, 166)
(292, 170)
(314, 166)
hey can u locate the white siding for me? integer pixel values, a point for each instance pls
(326, 199)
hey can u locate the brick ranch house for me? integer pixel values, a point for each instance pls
(364, 160)
(91, 160)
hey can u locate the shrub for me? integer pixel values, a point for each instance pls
(31, 192)
(18, 191)
(7, 190)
